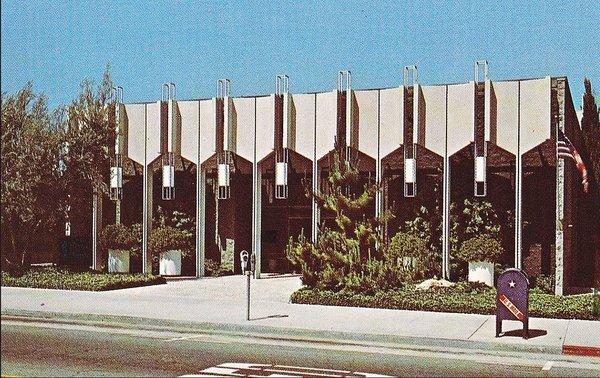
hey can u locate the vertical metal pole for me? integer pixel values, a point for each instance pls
(315, 181)
(518, 186)
(256, 205)
(201, 222)
(378, 194)
(200, 185)
(248, 295)
(145, 222)
(446, 204)
(94, 231)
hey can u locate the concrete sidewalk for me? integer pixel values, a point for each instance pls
(222, 302)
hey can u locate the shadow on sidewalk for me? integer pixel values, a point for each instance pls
(519, 333)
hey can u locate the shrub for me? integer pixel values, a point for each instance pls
(168, 238)
(214, 269)
(481, 248)
(53, 278)
(121, 237)
(465, 298)
(410, 253)
(380, 276)
(544, 283)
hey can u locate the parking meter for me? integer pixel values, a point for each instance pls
(248, 262)
(244, 261)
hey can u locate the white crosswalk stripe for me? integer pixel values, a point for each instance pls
(240, 369)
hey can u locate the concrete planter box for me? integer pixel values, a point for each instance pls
(481, 271)
(118, 261)
(170, 263)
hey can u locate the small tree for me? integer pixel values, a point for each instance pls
(344, 248)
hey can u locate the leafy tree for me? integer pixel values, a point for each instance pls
(87, 135)
(474, 218)
(51, 163)
(31, 189)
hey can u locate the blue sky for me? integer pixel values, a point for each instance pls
(56, 44)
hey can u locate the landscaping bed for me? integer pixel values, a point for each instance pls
(57, 278)
(462, 299)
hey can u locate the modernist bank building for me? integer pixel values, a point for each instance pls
(240, 165)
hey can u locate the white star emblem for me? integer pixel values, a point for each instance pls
(511, 283)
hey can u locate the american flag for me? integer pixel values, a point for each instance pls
(566, 149)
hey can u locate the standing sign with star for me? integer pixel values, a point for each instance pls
(512, 299)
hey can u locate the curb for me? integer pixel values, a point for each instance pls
(577, 350)
(284, 334)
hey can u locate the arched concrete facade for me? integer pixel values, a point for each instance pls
(520, 118)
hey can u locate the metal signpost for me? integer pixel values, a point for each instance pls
(248, 265)
(512, 299)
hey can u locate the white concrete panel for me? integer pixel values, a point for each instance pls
(535, 112)
(153, 131)
(435, 117)
(367, 121)
(391, 113)
(265, 128)
(188, 111)
(326, 122)
(460, 116)
(136, 121)
(304, 105)
(506, 95)
(244, 126)
(207, 129)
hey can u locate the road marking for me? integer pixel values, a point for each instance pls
(208, 338)
(233, 369)
(548, 365)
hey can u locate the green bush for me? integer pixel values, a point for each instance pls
(169, 238)
(544, 283)
(483, 247)
(410, 253)
(54, 278)
(214, 269)
(121, 237)
(376, 275)
(465, 298)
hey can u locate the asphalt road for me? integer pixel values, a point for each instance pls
(40, 349)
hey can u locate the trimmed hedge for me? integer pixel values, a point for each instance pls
(56, 278)
(462, 299)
